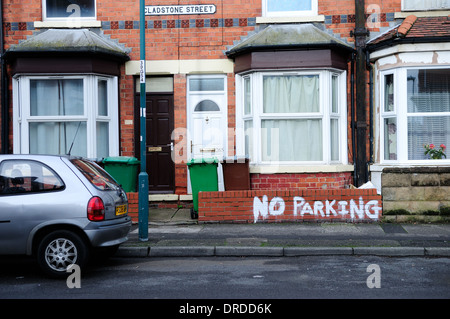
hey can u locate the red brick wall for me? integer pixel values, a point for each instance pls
(133, 206)
(186, 42)
(180, 43)
(126, 109)
(294, 181)
(239, 206)
(355, 205)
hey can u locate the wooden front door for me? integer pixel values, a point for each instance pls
(160, 124)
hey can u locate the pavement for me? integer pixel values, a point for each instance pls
(172, 233)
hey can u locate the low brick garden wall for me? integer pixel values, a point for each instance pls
(350, 205)
(133, 206)
(287, 181)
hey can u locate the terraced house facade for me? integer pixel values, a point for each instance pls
(317, 94)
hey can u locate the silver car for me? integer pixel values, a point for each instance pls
(59, 209)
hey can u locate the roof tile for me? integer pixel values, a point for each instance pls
(417, 27)
(406, 25)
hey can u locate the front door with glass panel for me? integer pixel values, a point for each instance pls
(207, 119)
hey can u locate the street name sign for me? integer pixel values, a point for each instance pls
(180, 9)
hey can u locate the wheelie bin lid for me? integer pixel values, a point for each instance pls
(210, 160)
(235, 159)
(121, 160)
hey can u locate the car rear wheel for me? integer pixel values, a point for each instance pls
(60, 249)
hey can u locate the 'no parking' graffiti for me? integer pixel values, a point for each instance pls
(354, 209)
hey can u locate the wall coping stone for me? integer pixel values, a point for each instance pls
(417, 170)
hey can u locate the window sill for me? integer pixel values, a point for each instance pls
(378, 167)
(420, 14)
(68, 24)
(280, 169)
(298, 19)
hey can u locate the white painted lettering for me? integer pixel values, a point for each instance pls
(346, 209)
(318, 208)
(276, 206)
(306, 210)
(260, 208)
(342, 207)
(376, 209)
(355, 209)
(298, 205)
(329, 208)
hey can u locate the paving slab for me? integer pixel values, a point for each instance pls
(390, 251)
(317, 251)
(172, 232)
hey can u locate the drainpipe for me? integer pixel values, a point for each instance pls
(370, 161)
(352, 111)
(360, 33)
(4, 91)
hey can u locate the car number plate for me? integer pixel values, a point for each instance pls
(120, 210)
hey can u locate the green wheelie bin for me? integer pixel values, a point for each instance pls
(203, 174)
(124, 170)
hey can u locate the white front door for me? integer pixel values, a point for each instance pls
(207, 122)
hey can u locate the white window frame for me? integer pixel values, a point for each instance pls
(325, 114)
(69, 18)
(22, 117)
(312, 12)
(425, 5)
(389, 114)
(401, 114)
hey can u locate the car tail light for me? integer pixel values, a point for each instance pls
(95, 209)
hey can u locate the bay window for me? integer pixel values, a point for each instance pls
(62, 114)
(415, 113)
(293, 117)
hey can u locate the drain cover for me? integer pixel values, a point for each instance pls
(393, 229)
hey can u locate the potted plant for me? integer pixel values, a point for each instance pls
(435, 153)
